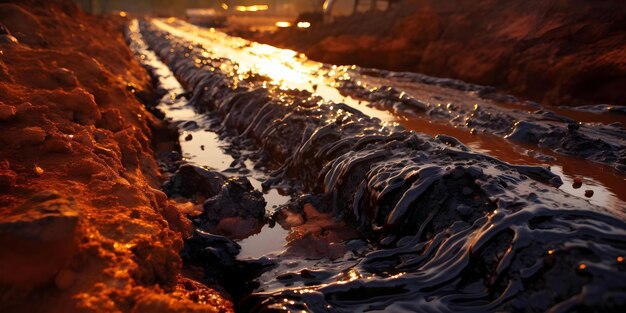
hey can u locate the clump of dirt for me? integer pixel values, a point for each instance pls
(221, 205)
(83, 224)
(554, 52)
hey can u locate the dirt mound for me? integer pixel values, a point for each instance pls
(561, 53)
(82, 224)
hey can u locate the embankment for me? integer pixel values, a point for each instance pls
(83, 225)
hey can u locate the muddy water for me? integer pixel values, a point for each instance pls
(606, 183)
(270, 240)
(289, 69)
(202, 147)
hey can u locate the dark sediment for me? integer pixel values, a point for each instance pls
(461, 231)
(596, 142)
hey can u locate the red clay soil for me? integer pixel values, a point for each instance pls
(83, 225)
(556, 52)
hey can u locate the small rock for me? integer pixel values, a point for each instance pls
(191, 181)
(588, 193)
(189, 125)
(572, 127)
(237, 198)
(188, 137)
(65, 77)
(186, 95)
(215, 254)
(357, 245)
(131, 88)
(578, 182)
(556, 181)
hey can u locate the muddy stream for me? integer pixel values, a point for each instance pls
(478, 247)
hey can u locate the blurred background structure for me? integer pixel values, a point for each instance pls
(178, 7)
(272, 7)
(556, 52)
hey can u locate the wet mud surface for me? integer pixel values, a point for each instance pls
(494, 113)
(381, 217)
(291, 70)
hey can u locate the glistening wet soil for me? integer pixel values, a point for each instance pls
(471, 113)
(384, 218)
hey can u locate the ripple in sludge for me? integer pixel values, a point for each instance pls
(449, 230)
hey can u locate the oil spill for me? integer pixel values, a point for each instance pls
(442, 228)
(291, 70)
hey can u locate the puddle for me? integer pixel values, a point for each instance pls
(205, 149)
(271, 240)
(606, 183)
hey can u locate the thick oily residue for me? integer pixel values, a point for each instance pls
(449, 229)
(515, 120)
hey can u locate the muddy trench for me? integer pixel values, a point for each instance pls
(301, 202)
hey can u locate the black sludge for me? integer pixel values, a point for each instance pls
(457, 231)
(542, 128)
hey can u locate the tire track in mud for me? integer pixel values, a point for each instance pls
(454, 230)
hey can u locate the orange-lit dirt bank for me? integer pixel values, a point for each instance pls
(553, 52)
(83, 226)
